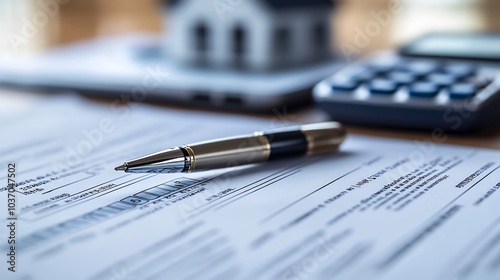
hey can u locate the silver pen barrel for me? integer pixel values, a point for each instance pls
(228, 152)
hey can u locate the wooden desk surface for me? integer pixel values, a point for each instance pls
(490, 139)
(486, 139)
(482, 139)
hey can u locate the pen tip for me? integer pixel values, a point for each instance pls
(121, 168)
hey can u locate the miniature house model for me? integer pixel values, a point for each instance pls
(249, 34)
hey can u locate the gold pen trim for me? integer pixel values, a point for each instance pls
(192, 158)
(318, 141)
(266, 152)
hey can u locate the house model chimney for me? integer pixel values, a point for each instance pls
(255, 35)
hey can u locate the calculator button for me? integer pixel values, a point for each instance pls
(420, 68)
(402, 78)
(383, 86)
(381, 67)
(424, 89)
(346, 85)
(364, 76)
(460, 70)
(441, 80)
(463, 90)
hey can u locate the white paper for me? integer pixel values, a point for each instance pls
(379, 209)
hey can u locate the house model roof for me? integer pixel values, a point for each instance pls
(281, 4)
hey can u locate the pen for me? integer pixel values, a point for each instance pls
(309, 139)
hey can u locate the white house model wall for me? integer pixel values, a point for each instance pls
(247, 34)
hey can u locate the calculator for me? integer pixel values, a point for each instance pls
(440, 81)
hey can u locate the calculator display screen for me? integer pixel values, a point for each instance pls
(467, 46)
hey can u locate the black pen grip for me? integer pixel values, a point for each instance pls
(287, 144)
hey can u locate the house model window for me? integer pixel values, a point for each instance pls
(250, 34)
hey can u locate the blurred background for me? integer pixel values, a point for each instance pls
(63, 22)
(77, 20)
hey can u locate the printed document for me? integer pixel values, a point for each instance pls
(377, 209)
